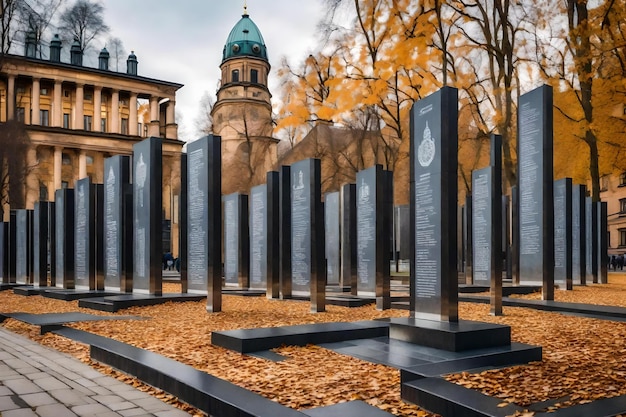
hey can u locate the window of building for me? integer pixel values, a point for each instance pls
(622, 237)
(43, 192)
(66, 93)
(103, 125)
(64, 184)
(20, 89)
(622, 179)
(622, 205)
(254, 76)
(88, 96)
(139, 129)
(66, 159)
(235, 76)
(124, 129)
(87, 123)
(66, 120)
(604, 183)
(44, 91)
(89, 159)
(20, 114)
(44, 117)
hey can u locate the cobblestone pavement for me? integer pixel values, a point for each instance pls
(38, 381)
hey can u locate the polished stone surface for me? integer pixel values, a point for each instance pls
(113, 303)
(348, 409)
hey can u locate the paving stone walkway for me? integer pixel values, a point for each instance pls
(39, 381)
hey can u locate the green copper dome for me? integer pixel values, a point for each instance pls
(245, 40)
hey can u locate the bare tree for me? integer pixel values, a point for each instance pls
(15, 143)
(204, 121)
(9, 10)
(35, 18)
(116, 48)
(84, 21)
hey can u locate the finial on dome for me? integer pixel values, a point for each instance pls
(245, 7)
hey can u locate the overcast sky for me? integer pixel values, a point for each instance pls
(182, 40)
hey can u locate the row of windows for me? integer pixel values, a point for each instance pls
(254, 76)
(44, 117)
(88, 95)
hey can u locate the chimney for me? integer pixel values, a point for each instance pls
(30, 45)
(131, 64)
(76, 54)
(55, 49)
(103, 59)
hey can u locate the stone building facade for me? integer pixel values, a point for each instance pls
(76, 116)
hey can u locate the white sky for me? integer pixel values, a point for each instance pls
(182, 40)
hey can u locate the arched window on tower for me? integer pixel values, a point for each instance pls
(254, 76)
(235, 76)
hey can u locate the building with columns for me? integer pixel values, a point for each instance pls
(242, 114)
(76, 116)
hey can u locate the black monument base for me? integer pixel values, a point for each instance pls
(9, 286)
(28, 290)
(337, 289)
(71, 295)
(506, 289)
(247, 292)
(114, 303)
(453, 337)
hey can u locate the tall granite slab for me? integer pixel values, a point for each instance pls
(603, 242)
(372, 237)
(563, 233)
(402, 231)
(433, 185)
(236, 241)
(591, 249)
(43, 243)
(273, 234)
(4, 253)
(460, 242)
(12, 244)
(515, 235)
(468, 215)
(24, 246)
(64, 237)
(258, 237)
(183, 203)
(88, 255)
(487, 225)
(332, 226)
(118, 224)
(307, 234)
(579, 235)
(506, 237)
(147, 217)
(204, 219)
(348, 237)
(535, 187)
(285, 231)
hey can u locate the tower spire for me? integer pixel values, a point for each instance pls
(245, 7)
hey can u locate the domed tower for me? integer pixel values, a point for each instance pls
(242, 114)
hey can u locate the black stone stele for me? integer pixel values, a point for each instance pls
(204, 220)
(332, 216)
(147, 217)
(4, 253)
(373, 236)
(183, 204)
(563, 233)
(88, 236)
(258, 237)
(535, 188)
(43, 237)
(24, 247)
(273, 235)
(468, 253)
(236, 241)
(591, 248)
(64, 226)
(285, 231)
(118, 224)
(506, 236)
(402, 233)
(603, 254)
(12, 244)
(579, 235)
(307, 234)
(515, 235)
(434, 138)
(348, 237)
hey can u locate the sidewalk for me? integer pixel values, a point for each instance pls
(38, 381)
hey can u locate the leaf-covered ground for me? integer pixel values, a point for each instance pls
(583, 359)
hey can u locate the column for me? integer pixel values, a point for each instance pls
(115, 112)
(132, 116)
(35, 91)
(171, 128)
(97, 109)
(79, 122)
(82, 164)
(153, 129)
(58, 163)
(57, 104)
(11, 97)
